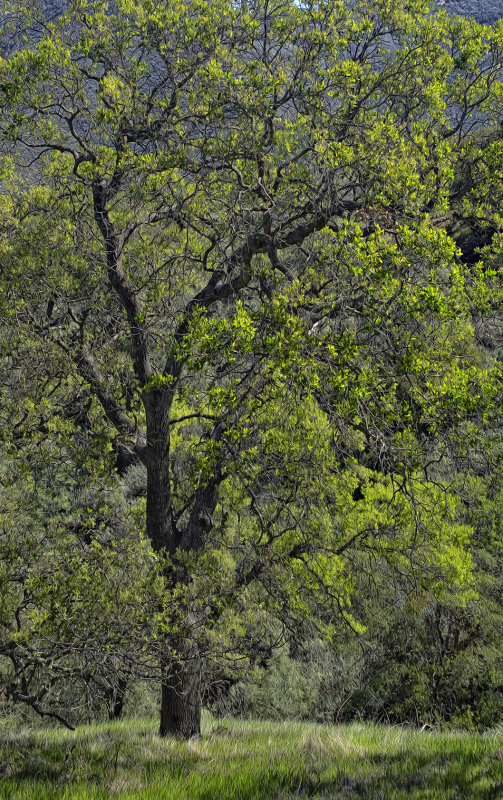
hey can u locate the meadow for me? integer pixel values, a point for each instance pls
(248, 760)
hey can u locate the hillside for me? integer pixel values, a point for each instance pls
(485, 11)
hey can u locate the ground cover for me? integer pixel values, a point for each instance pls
(243, 760)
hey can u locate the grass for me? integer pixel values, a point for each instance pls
(241, 760)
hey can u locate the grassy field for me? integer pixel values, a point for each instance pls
(239, 760)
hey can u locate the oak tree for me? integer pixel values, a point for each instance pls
(229, 221)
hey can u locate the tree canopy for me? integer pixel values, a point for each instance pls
(226, 237)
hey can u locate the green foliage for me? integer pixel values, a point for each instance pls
(419, 660)
(225, 253)
(81, 597)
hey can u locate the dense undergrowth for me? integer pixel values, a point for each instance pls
(246, 760)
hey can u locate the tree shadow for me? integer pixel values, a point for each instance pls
(216, 768)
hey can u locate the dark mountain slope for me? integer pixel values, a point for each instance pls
(485, 11)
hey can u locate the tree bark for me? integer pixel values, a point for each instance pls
(117, 697)
(160, 528)
(181, 693)
(181, 673)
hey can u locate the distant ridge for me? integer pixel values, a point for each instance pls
(484, 11)
(53, 8)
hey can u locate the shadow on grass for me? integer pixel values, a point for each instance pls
(446, 778)
(463, 775)
(106, 762)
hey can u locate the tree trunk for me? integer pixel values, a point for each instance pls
(160, 528)
(181, 693)
(117, 697)
(181, 676)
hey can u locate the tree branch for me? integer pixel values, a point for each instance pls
(124, 426)
(218, 288)
(119, 281)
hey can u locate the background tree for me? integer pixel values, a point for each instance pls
(79, 600)
(229, 217)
